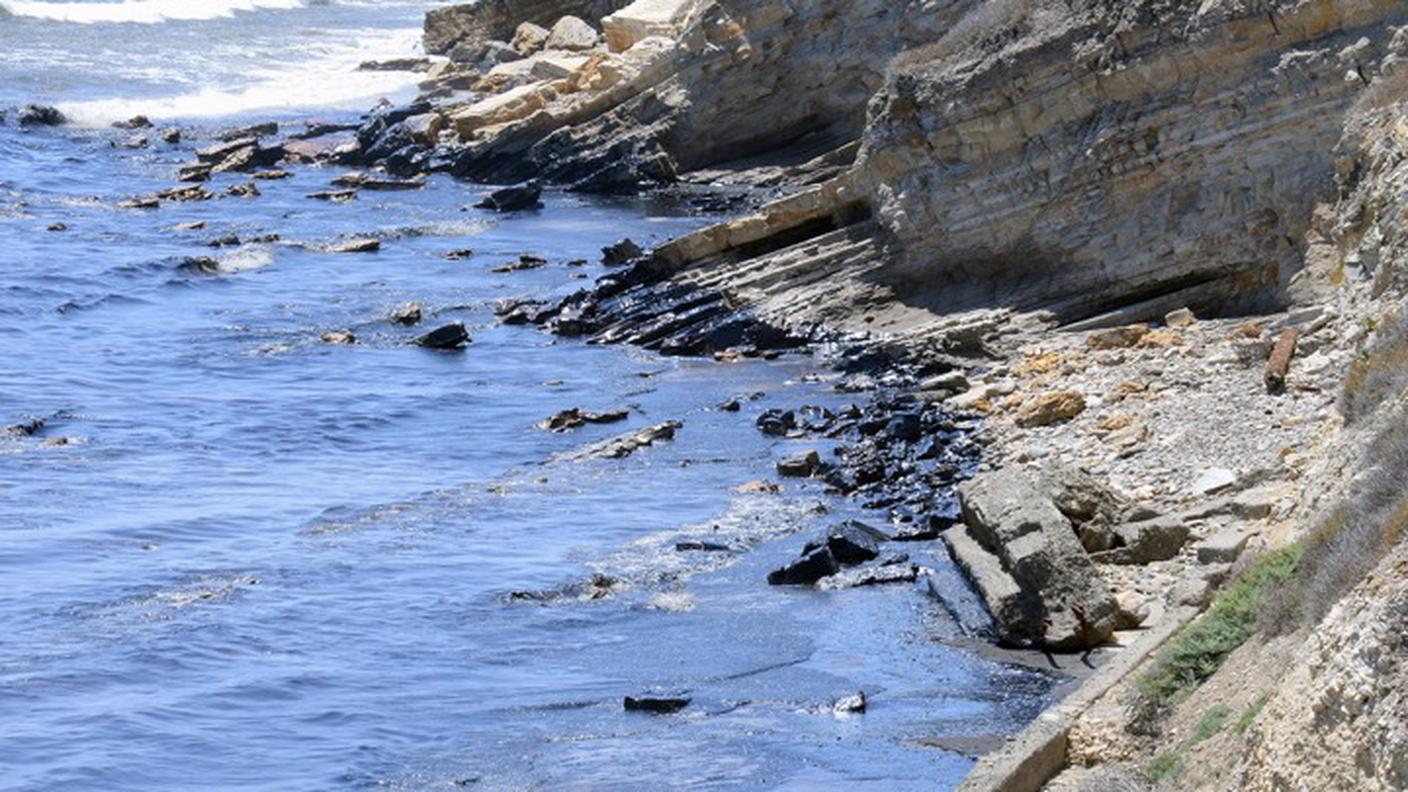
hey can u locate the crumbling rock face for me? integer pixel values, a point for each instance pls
(498, 20)
(1339, 719)
(740, 80)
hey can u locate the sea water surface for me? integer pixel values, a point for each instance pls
(236, 557)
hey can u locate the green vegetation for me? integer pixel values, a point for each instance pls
(1211, 723)
(1197, 651)
(1380, 373)
(1167, 767)
(1244, 722)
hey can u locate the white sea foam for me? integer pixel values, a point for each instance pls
(329, 79)
(147, 12)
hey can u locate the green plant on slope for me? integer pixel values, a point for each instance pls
(1211, 723)
(1245, 722)
(1166, 767)
(1197, 651)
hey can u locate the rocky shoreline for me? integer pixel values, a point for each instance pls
(1099, 271)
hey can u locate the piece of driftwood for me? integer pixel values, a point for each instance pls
(1280, 362)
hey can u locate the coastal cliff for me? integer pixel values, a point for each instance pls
(1107, 213)
(1156, 248)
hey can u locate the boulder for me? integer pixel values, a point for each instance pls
(1026, 561)
(646, 18)
(511, 105)
(171, 135)
(800, 466)
(572, 34)
(41, 115)
(484, 55)
(1050, 408)
(408, 314)
(811, 567)
(854, 542)
(1093, 509)
(1223, 547)
(1145, 542)
(339, 338)
(514, 199)
(623, 252)
(450, 336)
(529, 38)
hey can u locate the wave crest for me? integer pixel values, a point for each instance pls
(148, 12)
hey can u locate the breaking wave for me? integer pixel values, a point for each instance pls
(146, 12)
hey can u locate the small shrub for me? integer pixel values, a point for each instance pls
(1380, 373)
(1346, 547)
(1211, 723)
(1197, 651)
(1245, 722)
(1166, 767)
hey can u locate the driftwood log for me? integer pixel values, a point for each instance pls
(1280, 362)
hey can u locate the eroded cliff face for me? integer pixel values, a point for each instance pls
(1083, 160)
(737, 80)
(1025, 163)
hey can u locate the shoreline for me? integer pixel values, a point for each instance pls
(1121, 398)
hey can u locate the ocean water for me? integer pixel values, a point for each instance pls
(235, 557)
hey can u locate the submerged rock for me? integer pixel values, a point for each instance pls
(850, 704)
(575, 417)
(407, 314)
(450, 336)
(41, 115)
(873, 575)
(27, 428)
(814, 565)
(624, 445)
(655, 704)
(367, 245)
(339, 338)
(623, 252)
(514, 199)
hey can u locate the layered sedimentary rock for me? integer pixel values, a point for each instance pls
(1094, 161)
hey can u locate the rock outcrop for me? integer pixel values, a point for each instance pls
(498, 20)
(1028, 564)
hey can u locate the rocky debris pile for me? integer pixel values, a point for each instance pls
(899, 452)
(639, 305)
